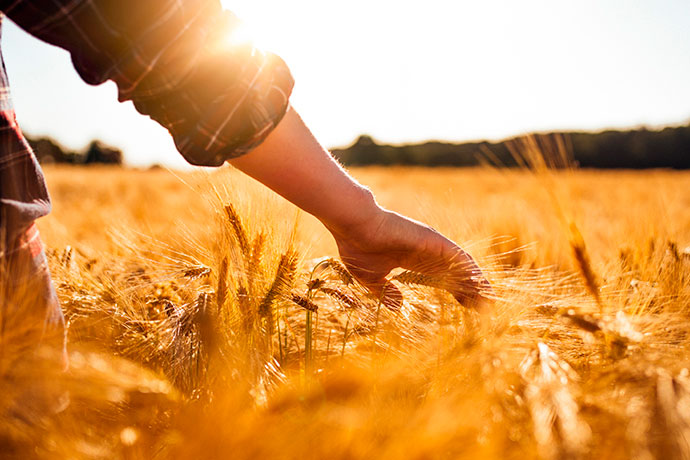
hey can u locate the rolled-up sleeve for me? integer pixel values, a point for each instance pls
(181, 62)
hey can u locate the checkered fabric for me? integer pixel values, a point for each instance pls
(181, 62)
(177, 60)
(30, 313)
(23, 193)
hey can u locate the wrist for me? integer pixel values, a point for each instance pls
(356, 211)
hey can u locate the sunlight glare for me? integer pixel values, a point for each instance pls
(241, 33)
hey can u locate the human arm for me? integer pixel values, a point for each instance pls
(371, 240)
(176, 60)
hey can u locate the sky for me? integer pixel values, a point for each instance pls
(409, 71)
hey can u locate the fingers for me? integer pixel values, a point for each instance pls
(391, 297)
(443, 264)
(408, 244)
(478, 298)
(377, 283)
(469, 286)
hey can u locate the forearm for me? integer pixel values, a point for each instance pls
(292, 163)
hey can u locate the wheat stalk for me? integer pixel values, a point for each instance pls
(552, 405)
(420, 279)
(577, 244)
(222, 289)
(337, 267)
(673, 400)
(285, 275)
(257, 252)
(304, 303)
(341, 296)
(196, 271)
(238, 230)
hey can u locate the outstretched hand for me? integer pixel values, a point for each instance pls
(387, 240)
(371, 240)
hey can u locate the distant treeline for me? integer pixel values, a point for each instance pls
(634, 149)
(49, 151)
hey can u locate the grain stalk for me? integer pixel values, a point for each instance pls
(345, 336)
(334, 266)
(328, 345)
(543, 154)
(308, 344)
(311, 308)
(313, 285)
(208, 340)
(376, 317)
(222, 289)
(281, 356)
(284, 278)
(238, 230)
(194, 272)
(672, 402)
(410, 277)
(257, 252)
(558, 428)
(342, 297)
(589, 278)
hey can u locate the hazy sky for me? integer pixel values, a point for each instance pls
(410, 71)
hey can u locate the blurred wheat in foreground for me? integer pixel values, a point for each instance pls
(210, 320)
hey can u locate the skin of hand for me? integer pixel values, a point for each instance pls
(374, 248)
(371, 240)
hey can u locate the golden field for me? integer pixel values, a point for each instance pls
(198, 330)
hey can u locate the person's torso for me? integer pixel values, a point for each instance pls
(23, 193)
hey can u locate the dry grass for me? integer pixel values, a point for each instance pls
(204, 322)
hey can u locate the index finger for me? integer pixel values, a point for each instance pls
(451, 268)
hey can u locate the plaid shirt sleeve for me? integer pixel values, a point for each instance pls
(177, 60)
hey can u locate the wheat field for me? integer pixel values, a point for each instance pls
(208, 318)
